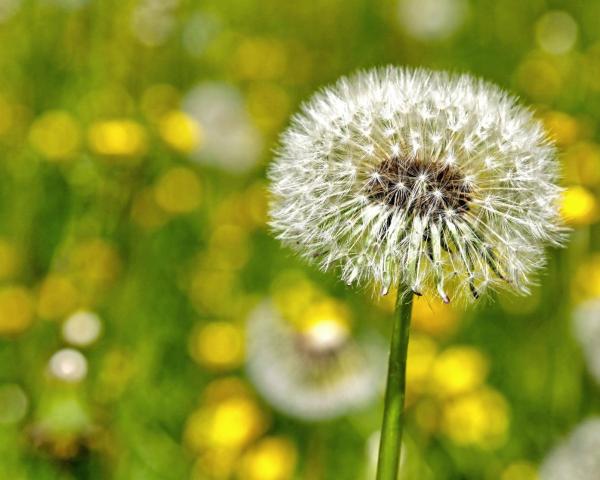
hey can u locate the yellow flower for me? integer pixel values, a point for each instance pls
(268, 104)
(273, 458)
(145, 212)
(231, 420)
(562, 127)
(117, 138)
(458, 370)
(218, 345)
(180, 131)
(178, 190)
(159, 99)
(228, 248)
(55, 135)
(16, 310)
(579, 206)
(95, 263)
(582, 164)
(10, 260)
(587, 279)
(57, 297)
(520, 471)
(293, 294)
(478, 418)
(422, 351)
(260, 59)
(432, 316)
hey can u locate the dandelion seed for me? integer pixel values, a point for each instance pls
(452, 189)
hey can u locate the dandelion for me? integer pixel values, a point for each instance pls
(442, 181)
(432, 182)
(315, 372)
(576, 458)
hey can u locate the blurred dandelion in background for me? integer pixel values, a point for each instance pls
(432, 19)
(586, 322)
(309, 366)
(576, 457)
(230, 140)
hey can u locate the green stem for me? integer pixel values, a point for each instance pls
(393, 413)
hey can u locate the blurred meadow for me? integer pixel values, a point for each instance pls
(150, 326)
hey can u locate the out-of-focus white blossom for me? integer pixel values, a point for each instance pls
(556, 32)
(577, 457)
(586, 321)
(441, 182)
(82, 328)
(431, 19)
(68, 365)
(230, 140)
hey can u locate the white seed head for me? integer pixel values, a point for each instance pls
(454, 201)
(316, 374)
(576, 458)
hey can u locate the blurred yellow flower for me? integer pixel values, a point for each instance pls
(540, 77)
(10, 260)
(587, 279)
(180, 131)
(57, 297)
(579, 206)
(145, 212)
(95, 263)
(218, 345)
(117, 368)
(293, 294)
(563, 128)
(458, 370)
(215, 464)
(422, 351)
(272, 458)
(212, 290)
(582, 164)
(479, 418)
(268, 104)
(427, 415)
(520, 471)
(6, 115)
(159, 99)
(232, 423)
(55, 135)
(247, 209)
(16, 310)
(117, 138)
(432, 316)
(260, 59)
(326, 310)
(178, 190)
(228, 247)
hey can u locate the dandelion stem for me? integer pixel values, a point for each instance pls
(393, 413)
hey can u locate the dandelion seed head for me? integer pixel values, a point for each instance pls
(452, 187)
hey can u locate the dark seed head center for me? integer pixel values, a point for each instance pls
(426, 187)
